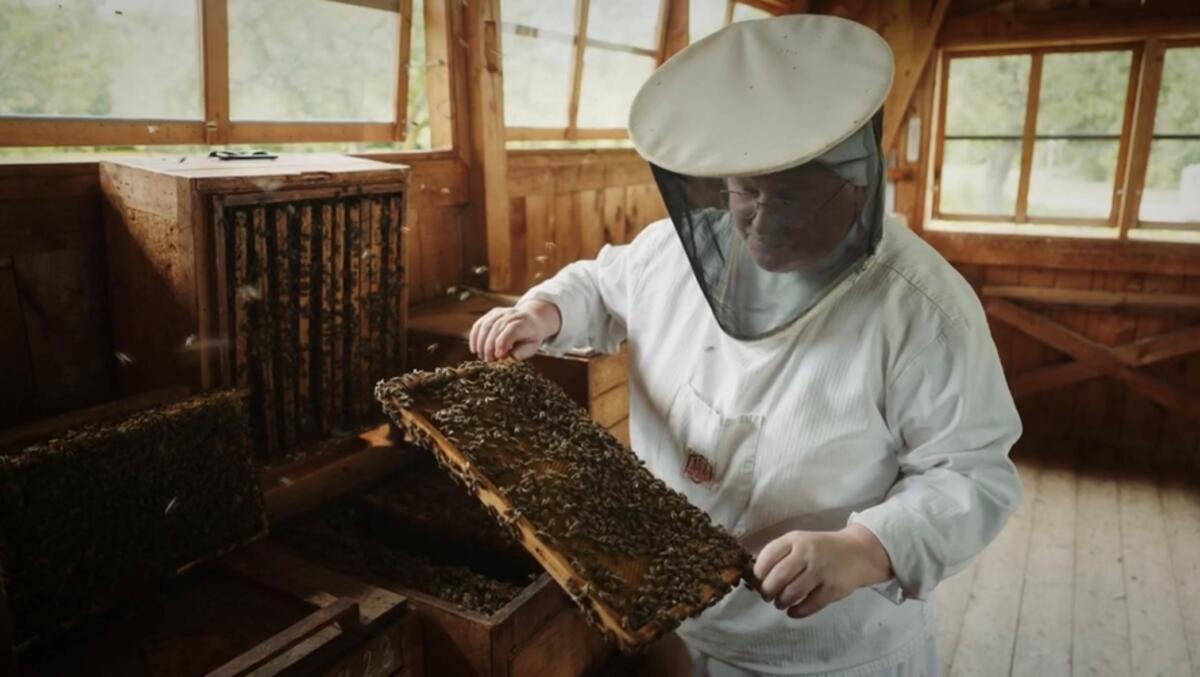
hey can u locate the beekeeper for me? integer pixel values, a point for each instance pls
(819, 381)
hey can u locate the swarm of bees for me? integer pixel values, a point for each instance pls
(640, 557)
(87, 513)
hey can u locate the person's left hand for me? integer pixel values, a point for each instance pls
(806, 571)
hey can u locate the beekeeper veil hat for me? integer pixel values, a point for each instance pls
(764, 141)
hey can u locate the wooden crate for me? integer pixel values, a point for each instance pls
(437, 336)
(539, 632)
(283, 276)
(257, 610)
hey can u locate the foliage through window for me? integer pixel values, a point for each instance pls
(1047, 136)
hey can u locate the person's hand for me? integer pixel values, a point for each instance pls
(803, 572)
(514, 332)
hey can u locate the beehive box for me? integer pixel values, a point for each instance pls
(95, 514)
(256, 611)
(599, 383)
(486, 608)
(636, 556)
(284, 277)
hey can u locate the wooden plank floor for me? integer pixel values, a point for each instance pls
(1098, 573)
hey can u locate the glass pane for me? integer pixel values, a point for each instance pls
(610, 80)
(103, 58)
(705, 17)
(746, 12)
(537, 79)
(1083, 92)
(558, 15)
(1172, 191)
(311, 60)
(1178, 106)
(624, 22)
(1072, 178)
(986, 95)
(980, 177)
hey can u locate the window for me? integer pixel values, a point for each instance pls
(1046, 139)
(571, 69)
(708, 16)
(105, 75)
(1171, 196)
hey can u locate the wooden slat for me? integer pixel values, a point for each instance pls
(325, 232)
(581, 21)
(591, 223)
(1075, 26)
(989, 627)
(1159, 301)
(358, 332)
(1181, 519)
(1100, 642)
(304, 326)
(1027, 136)
(673, 28)
(1094, 354)
(404, 27)
(1158, 645)
(343, 612)
(537, 230)
(912, 60)
(16, 369)
(1133, 182)
(341, 321)
(437, 73)
(951, 599)
(1101, 256)
(1043, 644)
(610, 408)
(283, 328)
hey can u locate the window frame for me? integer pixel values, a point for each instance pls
(215, 128)
(1133, 148)
(579, 43)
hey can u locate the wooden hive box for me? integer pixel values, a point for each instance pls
(437, 335)
(282, 276)
(485, 607)
(256, 611)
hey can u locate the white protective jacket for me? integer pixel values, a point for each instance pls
(885, 405)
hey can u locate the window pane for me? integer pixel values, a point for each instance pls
(418, 133)
(311, 60)
(986, 95)
(537, 79)
(558, 15)
(610, 80)
(980, 177)
(624, 22)
(705, 17)
(1172, 191)
(104, 58)
(1178, 106)
(746, 12)
(1083, 93)
(1072, 178)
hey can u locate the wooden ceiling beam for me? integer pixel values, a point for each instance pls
(1069, 26)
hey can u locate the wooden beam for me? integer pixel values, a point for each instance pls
(403, 56)
(214, 49)
(548, 134)
(1069, 25)
(1094, 298)
(384, 5)
(487, 166)
(438, 95)
(1132, 183)
(673, 29)
(1028, 135)
(344, 613)
(1093, 354)
(581, 18)
(27, 132)
(1137, 354)
(914, 51)
(1058, 253)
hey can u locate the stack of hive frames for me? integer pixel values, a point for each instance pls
(310, 295)
(100, 511)
(635, 555)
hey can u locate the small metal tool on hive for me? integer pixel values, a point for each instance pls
(632, 553)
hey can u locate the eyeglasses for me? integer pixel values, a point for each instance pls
(746, 206)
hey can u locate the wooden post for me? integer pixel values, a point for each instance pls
(1028, 136)
(913, 49)
(581, 18)
(673, 29)
(403, 55)
(438, 37)
(486, 155)
(1149, 79)
(214, 42)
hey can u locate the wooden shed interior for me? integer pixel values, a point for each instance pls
(439, 157)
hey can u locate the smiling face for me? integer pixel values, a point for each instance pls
(794, 218)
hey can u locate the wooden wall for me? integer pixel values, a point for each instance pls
(56, 350)
(566, 205)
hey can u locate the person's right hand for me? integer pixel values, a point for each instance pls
(514, 332)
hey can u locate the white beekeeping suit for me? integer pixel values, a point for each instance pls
(796, 363)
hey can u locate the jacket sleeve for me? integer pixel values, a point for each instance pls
(951, 410)
(593, 297)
